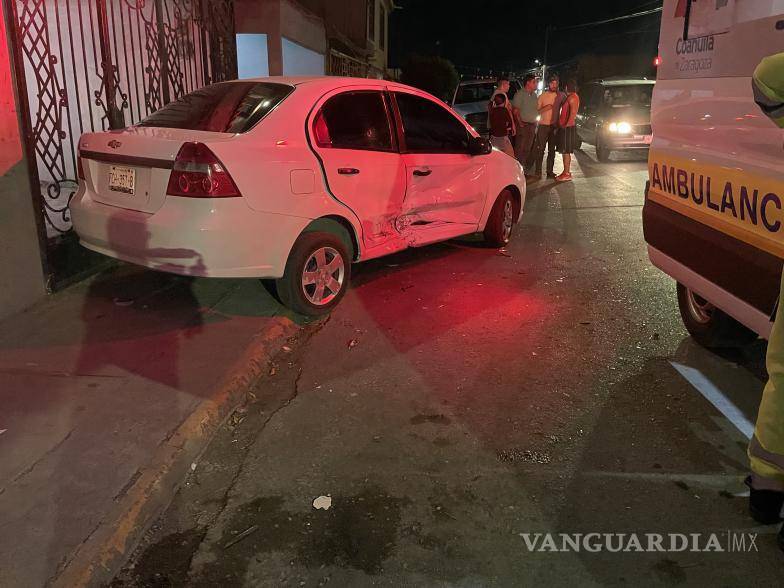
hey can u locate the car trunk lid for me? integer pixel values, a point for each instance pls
(130, 168)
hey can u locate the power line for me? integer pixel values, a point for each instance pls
(609, 20)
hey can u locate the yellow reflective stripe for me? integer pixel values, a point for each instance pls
(729, 213)
(764, 463)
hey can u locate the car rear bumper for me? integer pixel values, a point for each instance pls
(204, 237)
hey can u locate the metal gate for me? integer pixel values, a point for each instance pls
(92, 65)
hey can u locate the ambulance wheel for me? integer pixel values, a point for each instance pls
(709, 326)
(602, 153)
(317, 274)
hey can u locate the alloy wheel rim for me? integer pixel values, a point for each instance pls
(700, 309)
(323, 276)
(506, 225)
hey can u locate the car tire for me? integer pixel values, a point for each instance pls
(315, 253)
(709, 326)
(498, 230)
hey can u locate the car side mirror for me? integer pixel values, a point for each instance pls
(479, 146)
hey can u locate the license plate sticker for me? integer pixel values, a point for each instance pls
(122, 179)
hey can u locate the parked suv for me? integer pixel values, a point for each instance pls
(616, 115)
(471, 99)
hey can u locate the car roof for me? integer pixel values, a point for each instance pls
(625, 82)
(478, 82)
(323, 84)
(328, 81)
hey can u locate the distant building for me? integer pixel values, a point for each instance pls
(278, 37)
(357, 35)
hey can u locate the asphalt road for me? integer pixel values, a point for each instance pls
(462, 400)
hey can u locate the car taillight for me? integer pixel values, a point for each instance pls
(79, 167)
(198, 173)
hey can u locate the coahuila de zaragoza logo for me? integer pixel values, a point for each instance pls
(729, 541)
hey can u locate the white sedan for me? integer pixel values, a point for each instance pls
(292, 179)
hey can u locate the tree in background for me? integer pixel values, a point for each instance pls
(431, 74)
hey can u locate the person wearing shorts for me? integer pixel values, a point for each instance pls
(567, 138)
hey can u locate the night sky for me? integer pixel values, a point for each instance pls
(508, 35)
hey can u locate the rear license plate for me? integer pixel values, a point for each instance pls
(122, 179)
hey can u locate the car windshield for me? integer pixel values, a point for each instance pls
(474, 93)
(227, 107)
(621, 96)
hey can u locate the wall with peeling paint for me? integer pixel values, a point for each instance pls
(21, 274)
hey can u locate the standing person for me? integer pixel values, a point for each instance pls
(549, 106)
(501, 87)
(567, 136)
(501, 124)
(766, 450)
(526, 110)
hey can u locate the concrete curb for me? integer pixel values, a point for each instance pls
(100, 557)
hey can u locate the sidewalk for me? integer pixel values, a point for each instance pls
(108, 392)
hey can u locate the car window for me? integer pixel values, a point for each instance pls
(430, 128)
(227, 107)
(633, 95)
(469, 93)
(354, 120)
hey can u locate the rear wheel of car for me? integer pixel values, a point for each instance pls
(498, 230)
(317, 274)
(708, 325)
(602, 152)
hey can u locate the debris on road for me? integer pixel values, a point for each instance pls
(527, 456)
(504, 252)
(287, 349)
(3, 431)
(352, 343)
(237, 417)
(322, 503)
(273, 370)
(123, 301)
(246, 533)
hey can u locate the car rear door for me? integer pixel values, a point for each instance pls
(446, 187)
(353, 135)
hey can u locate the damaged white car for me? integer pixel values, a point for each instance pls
(292, 179)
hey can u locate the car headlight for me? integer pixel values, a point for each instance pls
(622, 128)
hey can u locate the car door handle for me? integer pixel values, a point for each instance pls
(348, 171)
(423, 172)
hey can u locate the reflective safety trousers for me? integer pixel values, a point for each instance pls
(766, 450)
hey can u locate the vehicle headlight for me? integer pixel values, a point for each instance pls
(622, 128)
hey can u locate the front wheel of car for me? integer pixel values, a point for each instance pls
(498, 230)
(317, 274)
(708, 325)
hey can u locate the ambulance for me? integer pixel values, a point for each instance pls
(713, 217)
